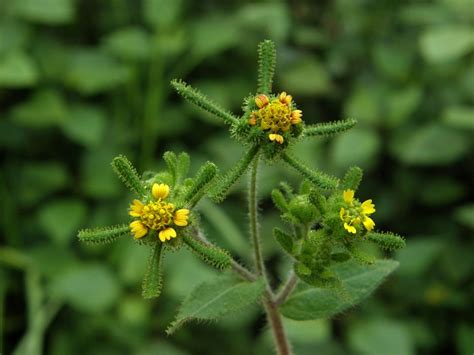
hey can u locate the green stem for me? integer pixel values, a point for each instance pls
(253, 216)
(274, 319)
(271, 307)
(287, 288)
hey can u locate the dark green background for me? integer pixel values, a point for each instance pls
(84, 81)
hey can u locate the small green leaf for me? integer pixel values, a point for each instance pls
(86, 125)
(285, 240)
(61, 218)
(93, 72)
(352, 178)
(213, 299)
(17, 70)
(52, 12)
(386, 240)
(45, 108)
(153, 280)
(441, 44)
(358, 281)
(131, 43)
(88, 287)
(204, 176)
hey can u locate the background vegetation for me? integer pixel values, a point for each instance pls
(83, 81)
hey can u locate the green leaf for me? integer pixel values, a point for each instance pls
(381, 337)
(37, 180)
(60, 219)
(93, 72)
(440, 44)
(153, 280)
(465, 215)
(131, 43)
(52, 12)
(461, 117)
(285, 240)
(87, 287)
(307, 77)
(86, 125)
(213, 299)
(358, 281)
(356, 147)
(17, 70)
(161, 13)
(421, 147)
(45, 108)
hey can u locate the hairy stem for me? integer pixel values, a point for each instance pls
(253, 219)
(274, 319)
(271, 307)
(287, 288)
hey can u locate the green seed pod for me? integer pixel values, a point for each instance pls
(301, 208)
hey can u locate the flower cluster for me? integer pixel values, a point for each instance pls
(275, 116)
(157, 215)
(354, 213)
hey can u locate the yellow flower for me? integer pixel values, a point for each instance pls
(356, 212)
(276, 115)
(157, 215)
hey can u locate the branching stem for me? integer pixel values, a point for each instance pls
(271, 307)
(287, 288)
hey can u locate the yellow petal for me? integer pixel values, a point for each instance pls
(138, 229)
(276, 137)
(167, 234)
(348, 196)
(350, 228)
(252, 120)
(368, 207)
(369, 223)
(296, 117)
(285, 98)
(342, 213)
(136, 208)
(181, 217)
(262, 100)
(160, 191)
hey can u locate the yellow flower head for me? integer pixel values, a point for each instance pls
(157, 215)
(276, 115)
(356, 213)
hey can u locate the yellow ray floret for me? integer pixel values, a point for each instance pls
(136, 208)
(262, 101)
(160, 191)
(276, 137)
(348, 196)
(369, 223)
(285, 98)
(181, 217)
(167, 234)
(138, 229)
(368, 207)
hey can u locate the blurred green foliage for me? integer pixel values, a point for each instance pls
(83, 81)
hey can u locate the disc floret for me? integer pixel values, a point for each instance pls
(158, 215)
(353, 213)
(275, 115)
